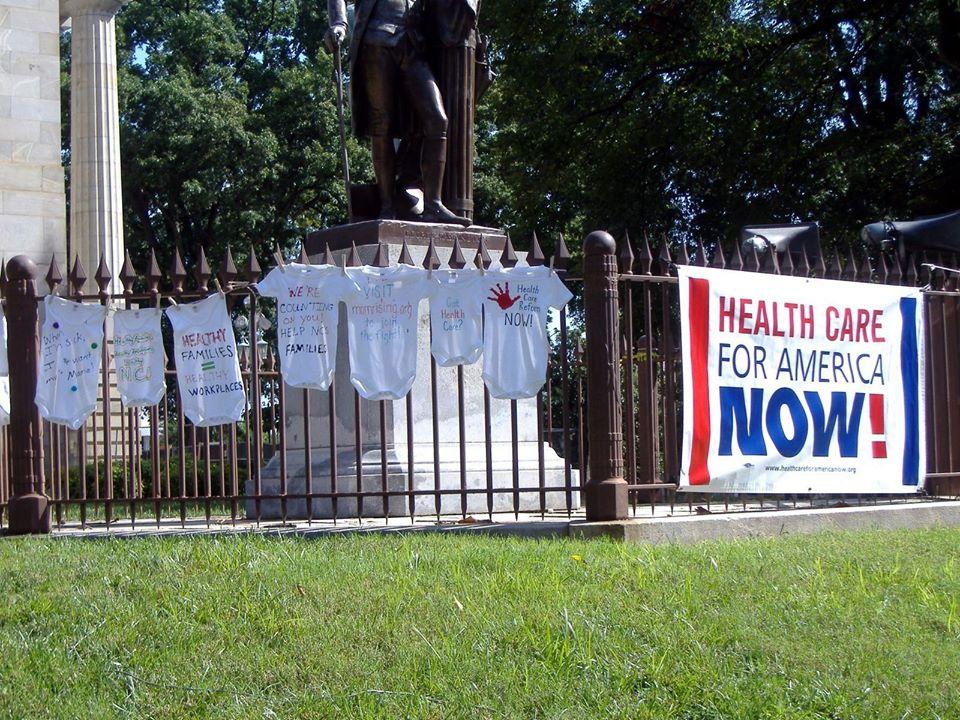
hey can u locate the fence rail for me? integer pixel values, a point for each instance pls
(603, 433)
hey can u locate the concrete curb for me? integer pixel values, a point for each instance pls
(653, 530)
(772, 524)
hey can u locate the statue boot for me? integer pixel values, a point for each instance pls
(433, 163)
(385, 168)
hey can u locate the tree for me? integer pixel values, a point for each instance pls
(687, 118)
(228, 126)
(693, 118)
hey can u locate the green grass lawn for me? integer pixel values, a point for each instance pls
(832, 626)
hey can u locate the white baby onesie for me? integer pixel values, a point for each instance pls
(70, 353)
(138, 356)
(456, 317)
(382, 319)
(308, 312)
(208, 371)
(516, 308)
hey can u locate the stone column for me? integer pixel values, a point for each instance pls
(96, 210)
(32, 203)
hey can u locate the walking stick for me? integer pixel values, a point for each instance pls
(338, 77)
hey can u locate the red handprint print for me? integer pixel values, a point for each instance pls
(501, 295)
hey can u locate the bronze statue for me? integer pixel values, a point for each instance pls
(395, 94)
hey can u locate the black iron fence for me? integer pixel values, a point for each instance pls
(603, 435)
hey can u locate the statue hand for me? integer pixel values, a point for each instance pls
(334, 37)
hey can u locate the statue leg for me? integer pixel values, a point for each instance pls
(380, 72)
(424, 94)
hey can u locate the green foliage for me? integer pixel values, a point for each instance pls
(686, 118)
(123, 477)
(229, 127)
(852, 625)
(693, 118)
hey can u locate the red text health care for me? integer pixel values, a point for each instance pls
(773, 318)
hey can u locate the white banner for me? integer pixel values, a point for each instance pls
(794, 385)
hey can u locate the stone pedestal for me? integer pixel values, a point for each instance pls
(425, 462)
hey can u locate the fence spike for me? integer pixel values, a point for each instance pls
(535, 256)
(833, 268)
(431, 260)
(626, 257)
(819, 265)
(203, 273)
(923, 275)
(786, 265)
(911, 276)
(684, 254)
(177, 272)
(304, 258)
(327, 255)
(561, 254)
(457, 261)
(941, 259)
(405, 257)
(718, 261)
(664, 259)
(866, 270)
(353, 259)
(103, 276)
(252, 269)
(771, 261)
(802, 268)
(482, 258)
(736, 258)
(701, 253)
(508, 258)
(53, 277)
(228, 270)
(382, 258)
(883, 268)
(646, 256)
(127, 273)
(154, 276)
(78, 275)
(896, 269)
(850, 270)
(751, 263)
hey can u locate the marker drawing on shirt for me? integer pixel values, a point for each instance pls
(382, 329)
(70, 361)
(516, 308)
(138, 357)
(208, 370)
(308, 302)
(456, 317)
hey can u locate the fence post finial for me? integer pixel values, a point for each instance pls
(29, 507)
(606, 492)
(535, 255)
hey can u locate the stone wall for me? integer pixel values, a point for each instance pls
(32, 201)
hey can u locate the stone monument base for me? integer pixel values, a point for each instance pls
(366, 236)
(499, 500)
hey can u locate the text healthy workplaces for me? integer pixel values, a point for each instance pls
(499, 314)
